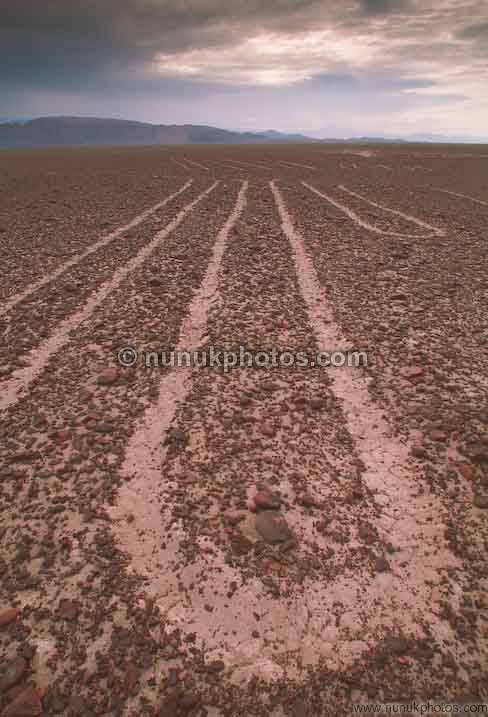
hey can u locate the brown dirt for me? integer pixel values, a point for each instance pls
(253, 542)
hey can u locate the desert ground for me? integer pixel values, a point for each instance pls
(284, 541)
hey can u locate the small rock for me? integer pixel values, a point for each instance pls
(366, 533)
(233, 517)
(215, 666)
(273, 527)
(412, 372)
(381, 565)
(56, 703)
(108, 377)
(132, 676)
(466, 471)
(479, 454)
(169, 708)
(68, 610)
(103, 427)
(8, 616)
(437, 435)
(173, 677)
(318, 403)
(24, 456)
(299, 708)
(396, 645)
(307, 500)
(78, 705)
(418, 452)
(62, 436)
(240, 545)
(12, 673)
(26, 704)
(188, 701)
(480, 501)
(267, 429)
(265, 500)
(288, 545)
(176, 436)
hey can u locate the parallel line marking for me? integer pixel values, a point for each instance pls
(249, 164)
(146, 452)
(458, 194)
(8, 306)
(39, 357)
(360, 222)
(406, 516)
(408, 217)
(295, 164)
(196, 164)
(180, 164)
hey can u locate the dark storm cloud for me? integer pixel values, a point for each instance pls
(381, 7)
(64, 42)
(479, 30)
(39, 37)
(211, 61)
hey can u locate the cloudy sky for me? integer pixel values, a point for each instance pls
(324, 67)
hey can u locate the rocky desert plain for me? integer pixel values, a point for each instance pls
(288, 542)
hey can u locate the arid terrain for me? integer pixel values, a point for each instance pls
(281, 542)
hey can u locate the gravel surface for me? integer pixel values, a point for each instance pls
(286, 541)
(55, 203)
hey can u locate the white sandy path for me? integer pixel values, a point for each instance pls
(196, 164)
(365, 153)
(434, 231)
(144, 454)
(458, 194)
(300, 625)
(229, 165)
(249, 164)
(294, 164)
(408, 217)
(14, 300)
(21, 378)
(143, 494)
(181, 164)
(410, 521)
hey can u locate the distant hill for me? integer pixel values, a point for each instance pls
(93, 131)
(275, 136)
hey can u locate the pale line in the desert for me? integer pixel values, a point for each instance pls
(407, 217)
(180, 164)
(145, 452)
(14, 300)
(40, 356)
(196, 164)
(360, 222)
(294, 164)
(249, 164)
(389, 473)
(236, 167)
(140, 518)
(463, 196)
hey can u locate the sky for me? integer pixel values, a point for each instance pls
(322, 67)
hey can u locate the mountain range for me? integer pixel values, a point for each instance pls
(94, 131)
